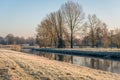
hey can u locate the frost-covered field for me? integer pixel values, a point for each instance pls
(22, 66)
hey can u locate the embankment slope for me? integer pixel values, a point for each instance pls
(22, 66)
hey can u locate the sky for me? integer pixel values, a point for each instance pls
(21, 17)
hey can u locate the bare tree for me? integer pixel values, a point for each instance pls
(57, 22)
(43, 33)
(73, 15)
(93, 26)
(105, 35)
(116, 38)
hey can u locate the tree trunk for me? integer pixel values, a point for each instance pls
(61, 44)
(71, 42)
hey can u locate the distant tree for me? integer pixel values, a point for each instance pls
(10, 39)
(74, 16)
(30, 41)
(2, 40)
(20, 40)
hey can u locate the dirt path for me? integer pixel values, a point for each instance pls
(22, 66)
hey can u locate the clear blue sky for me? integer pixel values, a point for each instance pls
(21, 17)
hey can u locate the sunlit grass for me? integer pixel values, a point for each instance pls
(22, 66)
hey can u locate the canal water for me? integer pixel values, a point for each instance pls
(105, 65)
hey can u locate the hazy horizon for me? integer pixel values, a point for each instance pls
(21, 17)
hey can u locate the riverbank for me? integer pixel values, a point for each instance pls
(21, 66)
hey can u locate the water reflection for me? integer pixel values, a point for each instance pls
(106, 65)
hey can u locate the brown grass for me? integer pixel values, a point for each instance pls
(22, 66)
(16, 47)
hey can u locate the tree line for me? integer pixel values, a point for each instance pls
(58, 29)
(10, 39)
